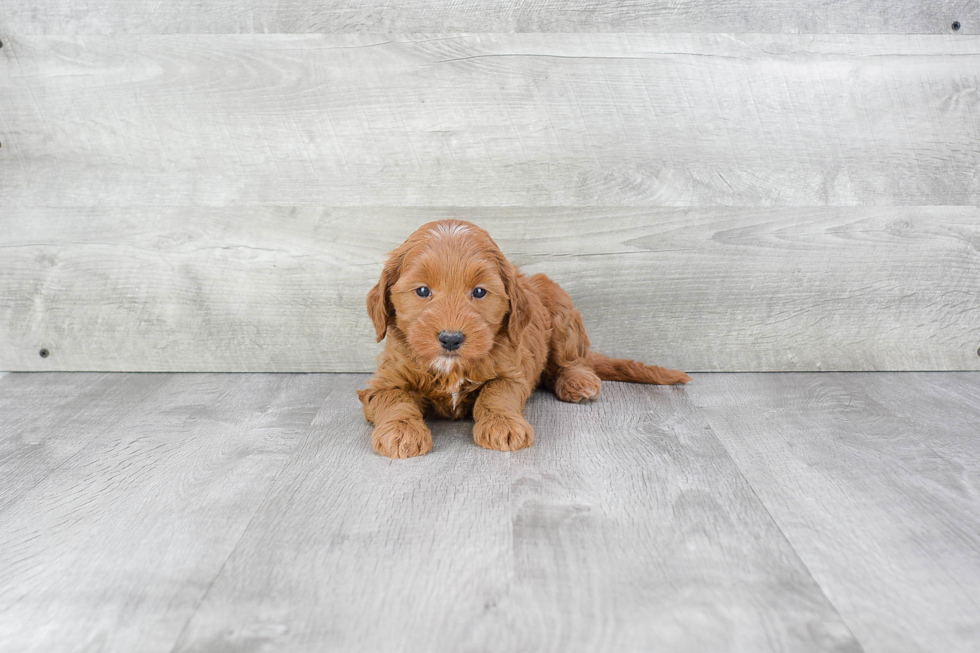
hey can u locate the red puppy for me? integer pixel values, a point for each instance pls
(468, 334)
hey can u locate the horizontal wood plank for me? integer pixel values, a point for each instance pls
(283, 288)
(299, 16)
(490, 120)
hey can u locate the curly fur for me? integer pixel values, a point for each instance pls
(524, 333)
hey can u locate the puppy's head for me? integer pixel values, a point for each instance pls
(451, 293)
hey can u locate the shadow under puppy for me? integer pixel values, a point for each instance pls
(469, 334)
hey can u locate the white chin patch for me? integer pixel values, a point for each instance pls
(444, 364)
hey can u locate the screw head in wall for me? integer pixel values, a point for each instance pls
(956, 25)
(44, 353)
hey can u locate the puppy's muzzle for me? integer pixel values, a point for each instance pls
(451, 340)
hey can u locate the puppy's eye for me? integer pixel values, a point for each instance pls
(423, 291)
(479, 292)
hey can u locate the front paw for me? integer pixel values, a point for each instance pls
(402, 439)
(503, 432)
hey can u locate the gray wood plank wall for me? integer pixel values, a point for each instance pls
(745, 186)
(705, 289)
(491, 120)
(303, 16)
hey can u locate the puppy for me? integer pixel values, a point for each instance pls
(469, 335)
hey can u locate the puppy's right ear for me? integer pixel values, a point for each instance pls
(379, 305)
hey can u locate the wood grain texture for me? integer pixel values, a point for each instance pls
(875, 482)
(490, 120)
(625, 528)
(43, 415)
(789, 512)
(283, 289)
(114, 548)
(298, 16)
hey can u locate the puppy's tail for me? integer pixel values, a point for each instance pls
(621, 369)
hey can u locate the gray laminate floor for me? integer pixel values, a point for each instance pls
(744, 512)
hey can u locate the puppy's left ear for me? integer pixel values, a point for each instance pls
(520, 307)
(379, 305)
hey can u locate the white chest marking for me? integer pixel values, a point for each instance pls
(444, 364)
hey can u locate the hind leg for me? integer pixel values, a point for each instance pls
(568, 371)
(577, 383)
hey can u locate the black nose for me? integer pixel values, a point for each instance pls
(451, 340)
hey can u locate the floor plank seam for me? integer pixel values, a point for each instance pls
(638, 524)
(782, 534)
(258, 509)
